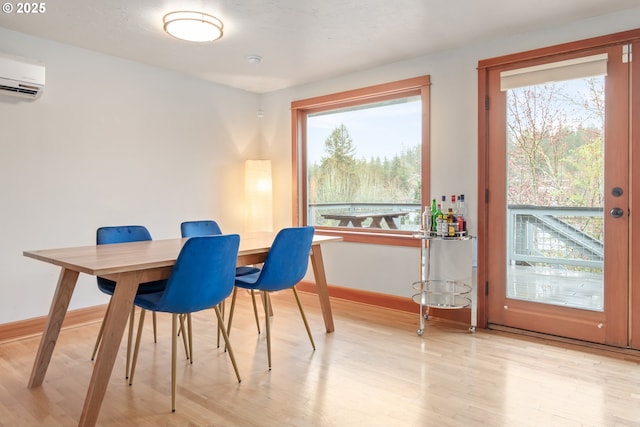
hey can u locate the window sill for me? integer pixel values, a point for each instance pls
(371, 236)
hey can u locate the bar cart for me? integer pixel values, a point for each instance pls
(441, 293)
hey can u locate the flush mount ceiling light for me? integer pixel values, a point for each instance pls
(193, 26)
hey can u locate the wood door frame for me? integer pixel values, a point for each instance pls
(634, 203)
(484, 240)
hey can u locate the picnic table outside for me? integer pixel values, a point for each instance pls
(356, 219)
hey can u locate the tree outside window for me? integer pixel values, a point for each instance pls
(364, 161)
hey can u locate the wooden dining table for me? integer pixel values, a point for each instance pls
(130, 264)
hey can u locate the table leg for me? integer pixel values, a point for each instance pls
(66, 283)
(115, 321)
(390, 222)
(376, 222)
(321, 285)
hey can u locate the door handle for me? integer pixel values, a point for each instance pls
(617, 212)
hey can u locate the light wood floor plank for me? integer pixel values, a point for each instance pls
(373, 371)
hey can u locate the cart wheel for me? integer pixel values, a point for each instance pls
(426, 316)
(472, 329)
(420, 332)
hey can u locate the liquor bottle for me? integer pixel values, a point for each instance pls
(451, 229)
(434, 214)
(426, 221)
(437, 220)
(443, 204)
(462, 211)
(453, 205)
(450, 217)
(451, 224)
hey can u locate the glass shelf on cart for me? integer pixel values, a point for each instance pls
(454, 287)
(460, 235)
(451, 301)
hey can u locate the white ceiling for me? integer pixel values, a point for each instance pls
(299, 40)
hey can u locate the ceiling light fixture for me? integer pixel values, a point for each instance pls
(254, 59)
(193, 26)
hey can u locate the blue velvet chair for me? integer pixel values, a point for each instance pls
(200, 228)
(202, 277)
(211, 228)
(124, 234)
(285, 265)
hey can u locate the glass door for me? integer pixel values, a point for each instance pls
(558, 210)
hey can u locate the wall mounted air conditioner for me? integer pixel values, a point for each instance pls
(21, 78)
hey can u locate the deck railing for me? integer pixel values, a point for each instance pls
(563, 236)
(536, 235)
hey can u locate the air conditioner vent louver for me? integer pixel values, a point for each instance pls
(33, 91)
(21, 78)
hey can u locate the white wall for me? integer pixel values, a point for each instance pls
(110, 142)
(453, 74)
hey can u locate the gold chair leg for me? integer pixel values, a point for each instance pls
(304, 318)
(231, 310)
(255, 309)
(137, 346)
(226, 341)
(269, 305)
(174, 348)
(129, 339)
(222, 313)
(265, 302)
(99, 337)
(190, 337)
(132, 318)
(155, 324)
(182, 331)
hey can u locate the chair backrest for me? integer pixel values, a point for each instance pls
(203, 274)
(200, 228)
(287, 260)
(119, 234)
(122, 234)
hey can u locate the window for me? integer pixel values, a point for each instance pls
(361, 161)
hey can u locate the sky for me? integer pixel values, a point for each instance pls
(381, 131)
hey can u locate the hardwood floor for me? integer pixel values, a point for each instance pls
(373, 371)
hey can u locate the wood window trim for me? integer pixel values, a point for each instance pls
(564, 48)
(299, 109)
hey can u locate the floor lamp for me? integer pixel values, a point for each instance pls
(258, 196)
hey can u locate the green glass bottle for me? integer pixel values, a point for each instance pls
(437, 217)
(434, 214)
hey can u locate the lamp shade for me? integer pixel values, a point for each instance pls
(258, 196)
(193, 26)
